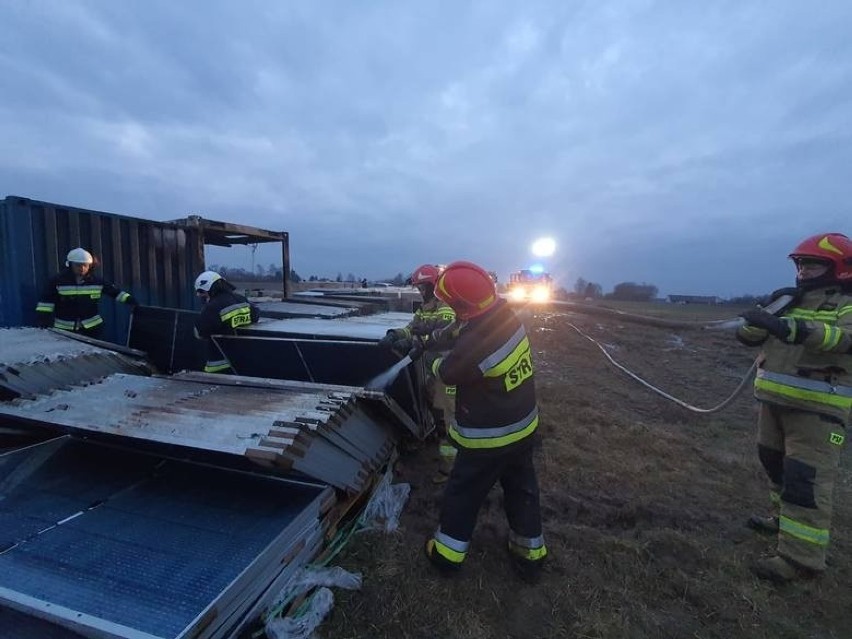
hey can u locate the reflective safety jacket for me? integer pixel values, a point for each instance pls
(432, 314)
(222, 315)
(491, 366)
(812, 369)
(74, 306)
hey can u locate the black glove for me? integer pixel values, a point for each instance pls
(441, 339)
(401, 347)
(774, 325)
(132, 302)
(417, 349)
(388, 340)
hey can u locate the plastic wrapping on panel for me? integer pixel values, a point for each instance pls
(385, 506)
(306, 619)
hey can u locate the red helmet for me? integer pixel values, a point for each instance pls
(467, 288)
(426, 274)
(834, 249)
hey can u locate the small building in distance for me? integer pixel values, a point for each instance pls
(694, 299)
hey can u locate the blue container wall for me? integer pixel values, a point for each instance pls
(155, 261)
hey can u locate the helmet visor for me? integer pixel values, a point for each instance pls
(808, 268)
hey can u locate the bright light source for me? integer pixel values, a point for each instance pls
(537, 269)
(544, 247)
(541, 294)
(518, 294)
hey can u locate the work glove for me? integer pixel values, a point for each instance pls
(441, 339)
(132, 302)
(761, 319)
(401, 347)
(417, 348)
(389, 339)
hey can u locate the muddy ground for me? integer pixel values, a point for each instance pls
(644, 504)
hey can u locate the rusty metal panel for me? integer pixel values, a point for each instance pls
(322, 431)
(156, 261)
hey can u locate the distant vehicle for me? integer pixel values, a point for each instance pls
(529, 286)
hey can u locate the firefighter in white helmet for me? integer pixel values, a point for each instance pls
(224, 311)
(71, 298)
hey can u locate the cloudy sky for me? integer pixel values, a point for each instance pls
(683, 144)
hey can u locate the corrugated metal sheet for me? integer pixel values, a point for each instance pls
(351, 363)
(35, 361)
(114, 543)
(322, 431)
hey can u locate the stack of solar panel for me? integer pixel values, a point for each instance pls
(108, 542)
(325, 432)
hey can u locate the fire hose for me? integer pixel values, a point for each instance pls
(661, 393)
(775, 307)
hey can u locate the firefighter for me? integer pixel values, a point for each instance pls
(223, 312)
(804, 386)
(71, 298)
(432, 315)
(495, 426)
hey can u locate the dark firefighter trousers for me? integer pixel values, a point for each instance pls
(470, 481)
(800, 452)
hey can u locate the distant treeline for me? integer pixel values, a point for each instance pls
(583, 289)
(633, 292)
(275, 273)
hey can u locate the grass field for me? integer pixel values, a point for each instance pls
(644, 504)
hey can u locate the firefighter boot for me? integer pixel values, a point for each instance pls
(780, 570)
(764, 524)
(528, 570)
(444, 566)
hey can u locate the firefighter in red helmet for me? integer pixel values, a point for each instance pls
(432, 315)
(496, 420)
(804, 386)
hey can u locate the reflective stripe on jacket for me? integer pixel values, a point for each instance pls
(432, 314)
(222, 315)
(815, 374)
(491, 366)
(76, 307)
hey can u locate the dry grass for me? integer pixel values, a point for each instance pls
(643, 505)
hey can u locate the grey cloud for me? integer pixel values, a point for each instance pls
(404, 130)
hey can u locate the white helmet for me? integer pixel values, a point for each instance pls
(204, 281)
(78, 256)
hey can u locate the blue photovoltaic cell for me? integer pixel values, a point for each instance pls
(37, 493)
(154, 556)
